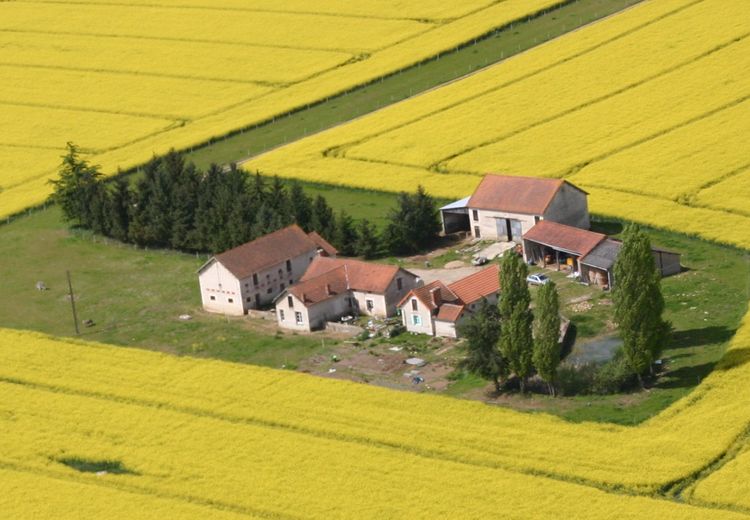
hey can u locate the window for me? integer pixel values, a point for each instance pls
(370, 304)
(414, 304)
(291, 282)
(289, 301)
(399, 283)
(475, 214)
(537, 218)
(281, 273)
(268, 277)
(248, 299)
(289, 266)
(230, 300)
(213, 298)
(476, 232)
(416, 319)
(281, 314)
(247, 285)
(270, 290)
(257, 297)
(255, 279)
(298, 317)
(281, 286)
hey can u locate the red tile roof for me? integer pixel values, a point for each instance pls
(266, 251)
(449, 312)
(455, 297)
(323, 244)
(321, 287)
(424, 294)
(478, 285)
(361, 276)
(271, 249)
(527, 195)
(568, 238)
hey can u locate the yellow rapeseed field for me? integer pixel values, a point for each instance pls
(125, 80)
(208, 437)
(647, 110)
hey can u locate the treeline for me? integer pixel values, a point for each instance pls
(509, 341)
(178, 206)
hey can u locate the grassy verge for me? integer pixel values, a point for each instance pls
(409, 82)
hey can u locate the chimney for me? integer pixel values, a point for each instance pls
(328, 289)
(303, 298)
(435, 296)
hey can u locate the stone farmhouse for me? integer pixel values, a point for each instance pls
(439, 310)
(252, 275)
(591, 254)
(505, 207)
(335, 287)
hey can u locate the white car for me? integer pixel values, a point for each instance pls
(537, 279)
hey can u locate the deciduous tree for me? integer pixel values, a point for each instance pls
(482, 332)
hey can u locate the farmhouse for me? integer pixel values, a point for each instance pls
(505, 207)
(336, 287)
(439, 310)
(253, 274)
(591, 254)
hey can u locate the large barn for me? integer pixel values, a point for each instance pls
(506, 207)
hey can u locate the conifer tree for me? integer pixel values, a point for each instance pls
(345, 238)
(413, 224)
(482, 332)
(546, 356)
(516, 344)
(301, 206)
(76, 187)
(323, 218)
(638, 302)
(118, 212)
(366, 244)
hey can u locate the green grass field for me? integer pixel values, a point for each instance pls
(412, 81)
(135, 298)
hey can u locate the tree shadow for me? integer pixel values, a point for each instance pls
(734, 358)
(697, 337)
(685, 377)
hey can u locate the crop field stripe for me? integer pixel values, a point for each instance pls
(600, 99)
(134, 489)
(125, 72)
(74, 108)
(209, 7)
(365, 442)
(460, 100)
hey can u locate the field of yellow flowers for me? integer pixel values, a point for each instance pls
(196, 437)
(125, 80)
(647, 110)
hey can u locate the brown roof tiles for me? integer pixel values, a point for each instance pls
(478, 285)
(527, 195)
(559, 236)
(269, 250)
(361, 276)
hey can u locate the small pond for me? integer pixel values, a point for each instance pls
(595, 350)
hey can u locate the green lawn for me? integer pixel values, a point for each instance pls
(496, 47)
(134, 296)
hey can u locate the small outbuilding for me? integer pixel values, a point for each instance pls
(597, 267)
(552, 244)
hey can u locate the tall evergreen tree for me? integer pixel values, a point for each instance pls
(483, 358)
(516, 342)
(258, 191)
(323, 219)
(638, 302)
(118, 212)
(301, 206)
(366, 244)
(345, 238)
(76, 187)
(546, 356)
(413, 224)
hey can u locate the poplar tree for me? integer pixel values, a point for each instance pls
(546, 356)
(301, 206)
(516, 343)
(482, 332)
(638, 302)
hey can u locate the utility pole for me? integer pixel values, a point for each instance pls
(72, 302)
